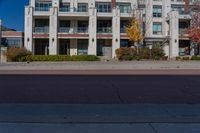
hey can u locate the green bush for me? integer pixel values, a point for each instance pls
(186, 58)
(17, 54)
(157, 53)
(144, 53)
(60, 58)
(195, 58)
(126, 53)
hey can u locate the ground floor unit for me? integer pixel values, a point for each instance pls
(104, 47)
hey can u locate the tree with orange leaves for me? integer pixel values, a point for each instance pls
(134, 32)
(194, 31)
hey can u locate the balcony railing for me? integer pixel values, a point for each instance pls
(42, 9)
(183, 31)
(64, 9)
(82, 29)
(122, 30)
(104, 30)
(64, 29)
(41, 29)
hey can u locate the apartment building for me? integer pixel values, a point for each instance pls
(97, 27)
(10, 37)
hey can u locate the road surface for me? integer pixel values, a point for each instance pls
(100, 89)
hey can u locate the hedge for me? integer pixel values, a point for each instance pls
(31, 58)
(195, 58)
(144, 53)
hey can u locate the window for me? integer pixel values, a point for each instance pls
(179, 8)
(157, 11)
(103, 7)
(65, 7)
(82, 47)
(41, 25)
(124, 7)
(43, 6)
(82, 7)
(104, 26)
(12, 42)
(157, 28)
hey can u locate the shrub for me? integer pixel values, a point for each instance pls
(195, 58)
(60, 58)
(186, 58)
(157, 53)
(17, 54)
(144, 53)
(126, 53)
(178, 58)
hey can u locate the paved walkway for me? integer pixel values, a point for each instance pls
(61, 118)
(114, 65)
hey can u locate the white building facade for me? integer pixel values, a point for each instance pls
(97, 27)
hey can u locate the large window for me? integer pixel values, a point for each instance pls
(82, 7)
(42, 6)
(124, 7)
(104, 26)
(82, 47)
(157, 11)
(157, 28)
(179, 8)
(103, 7)
(41, 25)
(64, 7)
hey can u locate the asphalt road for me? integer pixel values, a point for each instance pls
(104, 89)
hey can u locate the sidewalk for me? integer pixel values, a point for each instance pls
(137, 118)
(111, 65)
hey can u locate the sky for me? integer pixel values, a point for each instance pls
(12, 13)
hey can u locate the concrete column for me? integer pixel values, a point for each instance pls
(55, 3)
(166, 9)
(73, 47)
(28, 29)
(174, 34)
(92, 48)
(91, 4)
(73, 26)
(53, 31)
(32, 3)
(134, 4)
(73, 5)
(115, 31)
(149, 18)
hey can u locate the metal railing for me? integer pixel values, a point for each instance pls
(42, 9)
(64, 29)
(183, 31)
(104, 30)
(122, 30)
(82, 30)
(64, 9)
(41, 29)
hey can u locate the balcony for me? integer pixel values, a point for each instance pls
(122, 30)
(64, 29)
(104, 30)
(64, 9)
(82, 30)
(41, 29)
(43, 9)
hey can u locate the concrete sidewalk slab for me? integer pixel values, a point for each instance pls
(75, 128)
(99, 113)
(112, 65)
(176, 128)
